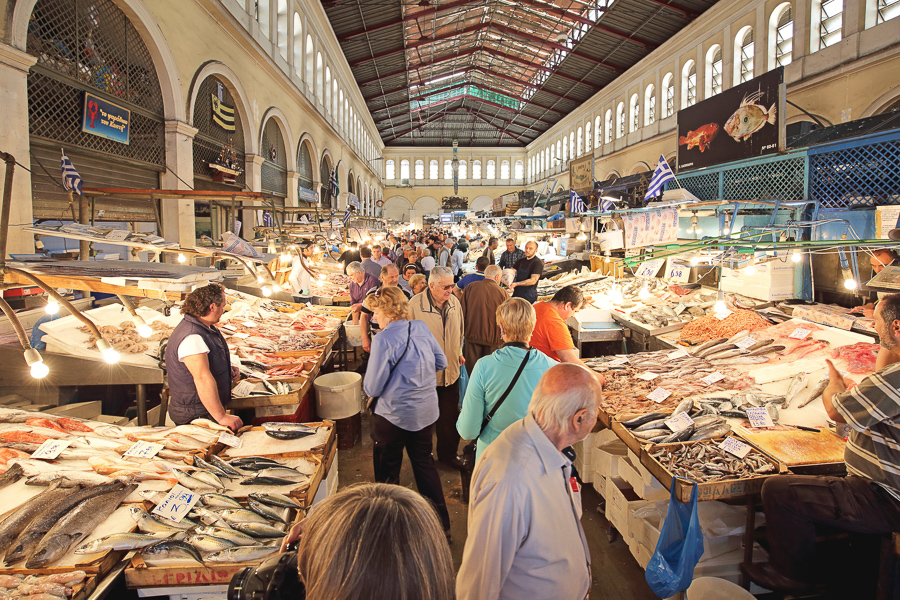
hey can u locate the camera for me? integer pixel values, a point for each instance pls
(276, 578)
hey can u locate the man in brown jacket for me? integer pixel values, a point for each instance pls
(479, 304)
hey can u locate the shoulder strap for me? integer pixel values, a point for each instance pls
(506, 393)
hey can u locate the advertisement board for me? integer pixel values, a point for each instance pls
(746, 121)
(581, 174)
(105, 119)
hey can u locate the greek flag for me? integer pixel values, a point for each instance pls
(346, 215)
(70, 178)
(661, 175)
(335, 190)
(268, 221)
(606, 204)
(576, 204)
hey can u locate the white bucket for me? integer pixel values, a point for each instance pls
(338, 395)
(354, 335)
(713, 588)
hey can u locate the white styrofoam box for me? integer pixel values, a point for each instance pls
(713, 546)
(599, 483)
(591, 318)
(607, 457)
(760, 292)
(620, 502)
(644, 483)
(642, 554)
(582, 461)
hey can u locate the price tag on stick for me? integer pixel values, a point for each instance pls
(177, 504)
(230, 440)
(143, 449)
(659, 394)
(51, 449)
(732, 445)
(680, 308)
(679, 422)
(759, 417)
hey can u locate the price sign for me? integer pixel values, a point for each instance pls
(745, 342)
(659, 394)
(732, 445)
(117, 235)
(800, 333)
(51, 449)
(712, 378)
(248, 323)
(144, 449)
(665, 296)
(759, 417)
(677, 354)
(678, 272)
(724, 314)
(680, 308)
(177, 504)
(230, 440)
(241, 335)
(242, 389)
(619, 361)
(649, 268)
(679, 422)
(648, 376)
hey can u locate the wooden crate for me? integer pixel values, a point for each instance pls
(625, 434)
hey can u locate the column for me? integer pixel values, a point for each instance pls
(179, 174)
(253, 181)
(14, 65)
(293, 177)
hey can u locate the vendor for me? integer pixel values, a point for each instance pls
(879, 259)
(528, 272)
(198, 363)
(301, 275)
(867, 501)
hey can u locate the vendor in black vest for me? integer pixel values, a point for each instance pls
(198, 364)
(528, 272)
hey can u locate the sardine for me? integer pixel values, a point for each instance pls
(231, 535)
(258, 530)
(798, 384)
(170, 553)
(815, 392)
(265, 511)
(208, 543)
(240, 554)
(273, 499)
(122, 541)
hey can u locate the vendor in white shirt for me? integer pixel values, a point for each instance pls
(301, 275)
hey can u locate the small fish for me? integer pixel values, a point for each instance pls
(760, 344)
(678, 436)
(725, 354)
(242, 515)
(258, 530)
(766, 350)
(273, 499)
(170, 553)
(816, 392)
(239, 554)
(219, 501)
(153, 496)
(209, 479)
(208, 543)
(742, 360)
(265, 511)
(194, 483)
(231, 535)
(122, 541)
(199, 462)
(152, 524)
(253, 463)
(711, 432)
(218, 462)
(772, 409)
(749, 118)
(268, 481)
(651, 433)
(798, 384)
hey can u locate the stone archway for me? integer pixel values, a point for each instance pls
(481, 203)
(398, 208)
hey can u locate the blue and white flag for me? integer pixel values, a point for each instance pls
(606, 204)
(70, 178)
(576, 204)
(335, 190)
(347, 214)
(661, 175)
(268, 221)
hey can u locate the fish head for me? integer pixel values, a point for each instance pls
(746, 120)
(137, 513)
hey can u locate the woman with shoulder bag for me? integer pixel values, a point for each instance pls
(401, 377)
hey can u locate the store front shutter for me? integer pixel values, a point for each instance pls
(273, 173)
(212, 137)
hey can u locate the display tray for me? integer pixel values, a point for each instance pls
(797, 448)
(645, 329)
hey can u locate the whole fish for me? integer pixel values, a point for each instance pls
(268, 481)
(711, 432)
(772, 409)
(797, 385)
(279, 426)
(208, 543)
(709, 344)
(658, 423)
(678, 436)
(149, 523)
(218, 462)
(121, 541)
(19, 518)
(69, 478)
(209, 479)
(273, 499)
(209, 424)
(242, 515)
(701, 137)
(219, 501)
(766, 350)
(715, 349)
(154, 496)
(265, 511)
(651, 433)
(231, 535)
(683, 406)
(749, 117)
(258, 530)
(170, 553)
(218, 472)
(759, 344)
(725, 354)
(291, 434)
(76, 525)
(239, 554)
(706, 420)
(254, 463)
(815, 392)
(12, 475)
(67, 579)
(194, 483)
(743, 360)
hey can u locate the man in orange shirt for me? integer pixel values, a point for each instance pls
(551, 334)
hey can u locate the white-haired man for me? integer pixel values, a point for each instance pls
(525, 537)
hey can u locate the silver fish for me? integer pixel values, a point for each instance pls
(709, 344)
(715, 349)
(152, 524)
(231, 535)
(170, 553)
(218, 462)
(258, 530)
(683, 406)
(798, 384)
(193, 483)
(219, 501)
(208, 543)
(122, 541)
(772, 409)
(742, 360)
(273, 499)
(264, 510)
(242, 515)
(815, 392)
(239, 554)
(19, 518)
(725, 354)
(711, 432)
(767, 350)
(209, 478)
(218, 472)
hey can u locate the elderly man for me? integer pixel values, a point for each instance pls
(389, 276)
(489, 251)
(360, 284)
(867, 501)
(479, 303)
(427, 261)
(445, 254)
(525, 537)
(551, 334)
(441, 311)
(528, 272)
(511, 256)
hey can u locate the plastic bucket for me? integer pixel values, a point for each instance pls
(713, 588)
(338, 395)
(354, 335)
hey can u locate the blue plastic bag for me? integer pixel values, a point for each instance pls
(680, 546)
(463, 384)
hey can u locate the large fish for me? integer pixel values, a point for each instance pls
(749, 117)
(169, 553)
(816, 392)
(701, 137)
(797, 385)
(12, 475)
(76, 525)
(18, 520)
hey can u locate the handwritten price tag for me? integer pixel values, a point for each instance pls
(724, 314)
(177, 504)
(143, 449)
(650, 268)
(248, 323)
(732, 445)
(679, 422)
(648, 376)
(800, 333)
(622, 360)
(759, 417)
(659, 394)
(678, 273)
(230, 440)
(680, 308)
(51, 449)
(712, 378)
(745, 342)
(677, 354)
(242, 389)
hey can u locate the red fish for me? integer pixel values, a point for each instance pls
(22, 436)
(38, 422)
(72, 424)
(701, 137)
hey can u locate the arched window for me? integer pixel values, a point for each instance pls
(518, 168)
(634, 111)
(283, 28)
(304, 167)
(310, 71)
(559, 153)
(334, 96)
(886, 10)
(341, 108)
(420, 169)
(404, 171)
(743, 55)
(587, 137)
(781, 36)
(504, 169)
(609, 125)
(491, 171)
(541, 162)
(320, 74)
(598, 132)
(668, 87)
(262, 16)
(689, 84)
(389, 169)
(649, 105)
(448, 169)
(327, 96)
(579, 146)
(476, 169)
(565, 149)
(830, 21)
(298, 45)
(572, 144)
(433, 170)
(620, 120)
(552, 164)
(345, 119)
(463, 170)
(713, 70)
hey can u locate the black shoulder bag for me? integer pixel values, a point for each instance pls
(373, 402)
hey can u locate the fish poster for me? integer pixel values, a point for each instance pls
(745, 121)
(581, 174)
(650, 227)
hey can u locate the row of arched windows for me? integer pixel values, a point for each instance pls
(490, 170)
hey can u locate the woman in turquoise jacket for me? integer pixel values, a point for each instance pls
(492, 375)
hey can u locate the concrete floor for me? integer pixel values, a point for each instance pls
(615, 572)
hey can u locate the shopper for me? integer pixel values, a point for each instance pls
(389, 277)
(511, 256)
(371, 267)
(427, 261)
(457, 258)
(402, 373)
(528, 273)
(199, 366)
(480, 265)
(867, 501)
(551, 334)
(489, 251)
(418, 283)
(525, 539)
(408, 271)
(441, 311)
(493, 374)
(360, 284)
(350, 255)
(445, 253)
(479, 303)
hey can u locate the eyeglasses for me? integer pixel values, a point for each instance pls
(447, 287)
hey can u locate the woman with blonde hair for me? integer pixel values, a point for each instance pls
(401, 378)
(511, 373)
(375, 541)
(418, 283)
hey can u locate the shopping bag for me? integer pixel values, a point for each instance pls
(680, 546)
(463, 383)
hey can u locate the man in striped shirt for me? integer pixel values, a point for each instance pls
(867, 501)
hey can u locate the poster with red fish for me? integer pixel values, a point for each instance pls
(746, 121)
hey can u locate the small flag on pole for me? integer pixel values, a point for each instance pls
(335, 189)
(576, 204)
(347, 214)
(661, 175)
(70, 178)
(606, 204)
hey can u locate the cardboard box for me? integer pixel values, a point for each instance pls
(621, 501)
(641, 480)
(606, 457)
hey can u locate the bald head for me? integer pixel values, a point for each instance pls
(493, 272)
(566, 398)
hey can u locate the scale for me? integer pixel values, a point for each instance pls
(886, 281)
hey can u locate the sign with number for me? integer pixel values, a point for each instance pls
(732, 445)
(230, 440)
(678, 272)
(143, 449)
(679, 422)
(800, 333)
(648, 376)
(745, 343)
(649, 268)
(724, 314)
(759, 417)
(659, 394)
(619, 361)
(677, 353)
(51, 449)
(177, 504)
(243, 389)
(680, 308)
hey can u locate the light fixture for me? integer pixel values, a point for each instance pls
(142, 328)
(795, 256)
(719, 306)
(276, 287)
(52, 307)
(644, 293)
(34, 360)
(109, 354)
(266, 292)
(850, 283)
(181, 257)
(695, 224)
(259, 279)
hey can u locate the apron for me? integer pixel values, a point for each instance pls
(528, 293)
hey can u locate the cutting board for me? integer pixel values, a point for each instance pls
(796, 447)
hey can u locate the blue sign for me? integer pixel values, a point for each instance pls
(105, 119)
(307, 194)
(353, 200)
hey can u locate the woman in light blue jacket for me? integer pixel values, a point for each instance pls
(493, 374)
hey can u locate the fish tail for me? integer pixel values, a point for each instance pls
(771, 118)
(682, 140)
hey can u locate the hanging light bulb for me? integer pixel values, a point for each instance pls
(259, 279)
(142, 328)
(109, 354)
(52, 307)
(34, 360)
(795, 256)
(695, 260)
(276, 287)
(181, 257)
(726, 226)
(644, 293)
(751, 267)
(607, 259)
(850, 283)
(719, 306)
(266, 292)
(695, 224)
